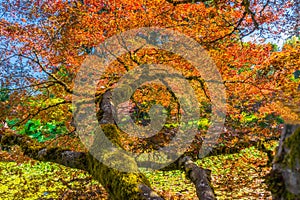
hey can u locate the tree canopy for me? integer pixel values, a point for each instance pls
(45, 44)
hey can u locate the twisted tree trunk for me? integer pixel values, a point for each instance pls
(119, 185)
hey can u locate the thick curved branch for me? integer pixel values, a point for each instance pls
(40, 152)
(120, 185)
(200, 177)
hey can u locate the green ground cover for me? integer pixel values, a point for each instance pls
(234, 176)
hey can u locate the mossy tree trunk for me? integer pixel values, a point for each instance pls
(119, 185)
(284, 178)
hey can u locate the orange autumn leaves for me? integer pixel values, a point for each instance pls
(69, 28)
(287, 86)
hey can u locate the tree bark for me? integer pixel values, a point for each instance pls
(200, 177)
(284, 178)
(119, 185)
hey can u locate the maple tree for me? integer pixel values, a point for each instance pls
(44, 43)
(287, 103)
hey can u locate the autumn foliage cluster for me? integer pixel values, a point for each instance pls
(43, 44)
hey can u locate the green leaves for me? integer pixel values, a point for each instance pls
(43, 132)
(248, 118)
(11, 122)
(4, 94)
(295, 77)
(202, 123)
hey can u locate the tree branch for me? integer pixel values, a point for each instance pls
(65, 86)
(200, 177)
(40, 110)
(119, 185)
(40, 152)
